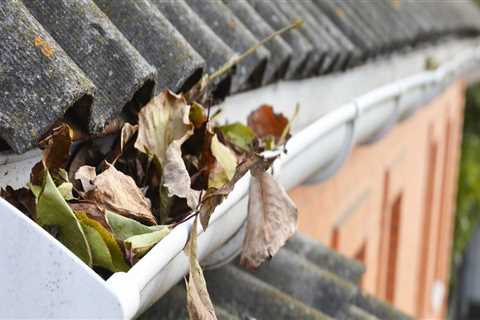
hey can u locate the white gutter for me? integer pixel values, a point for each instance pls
(315, 152)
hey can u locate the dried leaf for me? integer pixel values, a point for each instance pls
(176, 178)
(239, 135)
(23, 199)
(53, 210)
(163, 120)
(225, 165)
(197, 115)
(265, 123)
(56, 151)
(214, 197)
(118, 192)
(208, 207)
(127, 133)
(272, 219)
(199, 305)
(86, 175)
(106, 252)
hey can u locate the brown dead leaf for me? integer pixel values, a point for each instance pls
(272, 219)
(56, 147)
(163, 120)
(199, 305)
(118, 192)
(214, 197)
(86, 175)
(267, 124)
(23, 199)
(176, 177)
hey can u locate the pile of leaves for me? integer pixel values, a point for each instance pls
(111, 200)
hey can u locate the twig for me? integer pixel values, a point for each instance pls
(230, 64)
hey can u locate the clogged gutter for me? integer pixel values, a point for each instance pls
(171, 164)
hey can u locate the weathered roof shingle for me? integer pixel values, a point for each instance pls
(106, 57)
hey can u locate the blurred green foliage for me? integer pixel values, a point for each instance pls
(468, 199)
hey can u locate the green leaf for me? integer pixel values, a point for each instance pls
(124, 228)
(225, 166)
(140, 244)
(52, 209)
(66, 190)
(238, 134)
(106, 252)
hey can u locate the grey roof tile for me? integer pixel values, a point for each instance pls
(230, 29)
(39, 82)
(178, 65)
(173, 306)
(280, 51)
(351, 26)
(350, 55)
(246, 296)
(287, 287)
(334, 49)
(113, 61)
(355, 313)
(301, 47)
(378, 308)
(115, 67)
(215, 52)
(306, 282)
(325, 258)
(321, 47)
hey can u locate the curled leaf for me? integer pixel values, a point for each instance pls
(267, 124)
(53, 210)
(199, 305)
(127, 133)
(214, 197)
(176, 177)
(118, 192)
(140, 244)
(225, 165)
(163, 120)
(197, 115)
(272, 219)
(56, 151)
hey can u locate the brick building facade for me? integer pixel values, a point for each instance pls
(392, 206)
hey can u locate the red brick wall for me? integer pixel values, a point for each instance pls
(391, 206)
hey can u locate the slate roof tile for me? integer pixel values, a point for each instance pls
(215, 52)
(115, 67)
(231, 30)
(113, 55)
(300, 282)
(178, 65)
(280, 51)
(39, 82)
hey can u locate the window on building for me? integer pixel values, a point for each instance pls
(426, 226)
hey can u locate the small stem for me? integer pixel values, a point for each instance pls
(227, 66)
